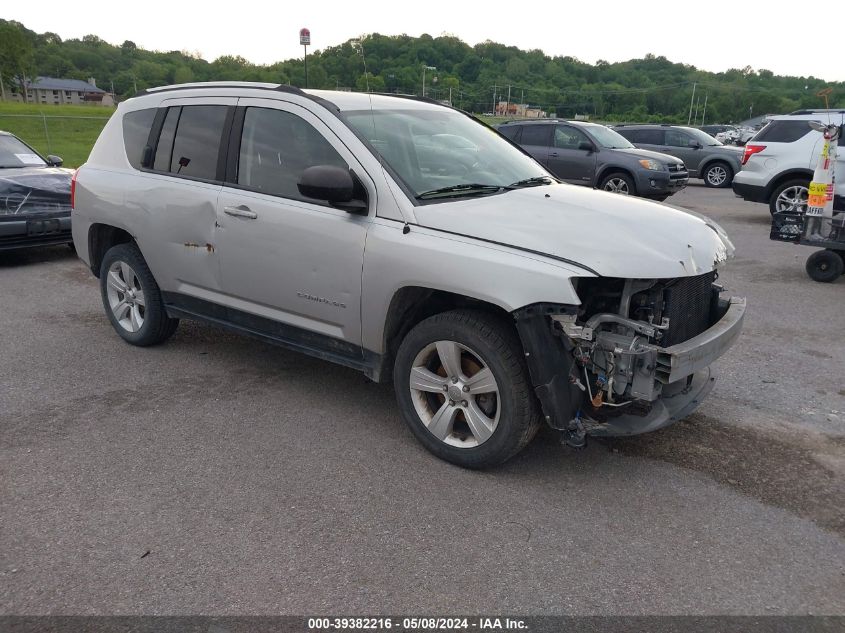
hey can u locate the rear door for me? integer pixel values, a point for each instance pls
(536, 139)
(567, 160)
(175, 197)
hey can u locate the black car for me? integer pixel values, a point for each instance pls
(34, 197)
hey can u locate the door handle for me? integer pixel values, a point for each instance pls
(241, 211)
(554, 154)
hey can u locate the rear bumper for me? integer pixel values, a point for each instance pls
(40, 230)
(752, 193)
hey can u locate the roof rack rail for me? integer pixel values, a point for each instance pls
(222, 84)
(819, 111)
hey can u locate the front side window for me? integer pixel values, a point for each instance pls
(676, 138)
(276, 147)
(567, 137)
(189, 143)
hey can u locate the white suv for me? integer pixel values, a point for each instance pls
(335, 224)
(778, 163)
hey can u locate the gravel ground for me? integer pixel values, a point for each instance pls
(219, 475)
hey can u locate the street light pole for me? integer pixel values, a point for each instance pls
(425, 67)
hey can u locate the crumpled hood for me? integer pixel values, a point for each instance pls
(611, 234)
(26, 190)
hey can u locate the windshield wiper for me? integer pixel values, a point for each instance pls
(532, 182)
(454, 191)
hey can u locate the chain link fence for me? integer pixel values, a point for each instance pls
(70, 137)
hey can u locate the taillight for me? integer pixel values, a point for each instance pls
(750, 150)
(73, 189)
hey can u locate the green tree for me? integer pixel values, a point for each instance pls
(16, 52)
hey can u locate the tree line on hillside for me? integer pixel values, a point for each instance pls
(652, 89)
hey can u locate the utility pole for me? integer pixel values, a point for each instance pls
(508, 103)
(2, 88)
(705, 109)
(494, 99)
(695, 117)
(692, 98)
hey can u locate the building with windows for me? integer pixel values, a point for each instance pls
(52, 91)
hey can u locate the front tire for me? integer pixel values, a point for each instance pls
(825, 266)
(718, 175)
(618, 182)
(132, 299)
(462, 387)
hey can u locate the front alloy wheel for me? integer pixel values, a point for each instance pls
(616, 185)
(455, 394)
(462, 386)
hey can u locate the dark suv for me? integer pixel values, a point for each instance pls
(704, 156)
(594, 155)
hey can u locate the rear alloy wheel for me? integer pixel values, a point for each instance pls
(462, 387)
(618, 183)
(790, 197)
(718, 175)
(132, 299)
(825, 266)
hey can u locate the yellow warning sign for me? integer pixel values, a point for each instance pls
(817, 194)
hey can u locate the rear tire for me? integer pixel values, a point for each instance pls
(790, 197)
(132, 299)
(718, 175)
(474, 360)
(825, 266)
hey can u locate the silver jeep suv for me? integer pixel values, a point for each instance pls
(405, 239)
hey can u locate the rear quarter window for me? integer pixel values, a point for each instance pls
(783, 131)
(511, 131)
(136, 132)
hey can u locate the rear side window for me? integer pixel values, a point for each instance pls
(783, 131)
(537, 135)
(645, 137)
(136, 132)
(276, 147)
(189, 143)
(511, 131)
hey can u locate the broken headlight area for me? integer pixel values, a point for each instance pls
(627, 336)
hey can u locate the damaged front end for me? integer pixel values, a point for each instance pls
(634, 357)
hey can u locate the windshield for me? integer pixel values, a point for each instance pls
(608, 138)
(445, 153)
(702, 137)
(13, 153)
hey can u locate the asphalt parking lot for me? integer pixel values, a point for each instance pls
(219, 475)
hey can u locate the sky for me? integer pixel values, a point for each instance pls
(715, 35)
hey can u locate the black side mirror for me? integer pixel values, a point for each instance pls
(586, 146)
(54, 161)
(333, 184)
(694, 144)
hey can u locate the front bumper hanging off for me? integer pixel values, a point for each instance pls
(683, 370)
